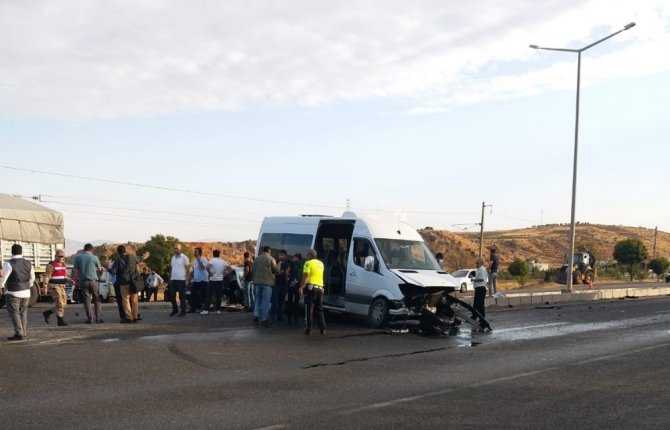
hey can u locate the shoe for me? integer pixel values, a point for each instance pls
(61, 322)
(218, 312)
(181, 314)
(204, 313)
(135, 321)
(100, 321)
(323, 332)
(265, 323)
(307, 331)
(139, 318)
(256, 320)
(281, 319)
(89, 321)
(174, 313)
(46, 315)
(15, 337)
(125, 321)
(191, 311)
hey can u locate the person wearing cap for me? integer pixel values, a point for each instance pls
(312, 280)
(18, 275)
(55, 279)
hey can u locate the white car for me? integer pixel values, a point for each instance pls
(465, 278)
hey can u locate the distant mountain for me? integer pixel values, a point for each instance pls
(545, 243)
(72, 246)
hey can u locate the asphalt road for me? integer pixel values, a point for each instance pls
(600, 365)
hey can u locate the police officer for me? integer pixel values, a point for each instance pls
(18, 276)
(312, 280)
(54, 285)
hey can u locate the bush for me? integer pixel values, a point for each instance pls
(659, 266)
(519, 269)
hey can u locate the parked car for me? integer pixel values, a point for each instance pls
(465, 278)
(107, 293)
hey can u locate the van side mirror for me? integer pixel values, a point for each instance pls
(369, 264)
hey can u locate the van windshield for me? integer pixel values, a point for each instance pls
(406, 254)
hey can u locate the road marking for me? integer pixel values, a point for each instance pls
(505, 330)
(274, 427)
(622, 354)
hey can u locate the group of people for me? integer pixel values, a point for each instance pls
(272, 288)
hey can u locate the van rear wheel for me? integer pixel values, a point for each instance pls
(378, 313)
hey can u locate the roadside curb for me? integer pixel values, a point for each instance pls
(581, 296)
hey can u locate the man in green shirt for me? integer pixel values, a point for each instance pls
(85, 272)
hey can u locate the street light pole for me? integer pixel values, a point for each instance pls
(571, 239)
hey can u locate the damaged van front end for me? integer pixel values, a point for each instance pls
(429, 305)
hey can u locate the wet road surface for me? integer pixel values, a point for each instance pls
(597, 365)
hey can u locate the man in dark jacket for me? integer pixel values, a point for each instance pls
(18, 277)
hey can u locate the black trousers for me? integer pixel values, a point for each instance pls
(214, 295)
(293, 305)
(478, 304)
(314, 304)
(119, 301)
(178, 287)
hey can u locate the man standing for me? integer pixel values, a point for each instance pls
(263, 270)
(480, 291)
(217, 269)
(199, 282)
(279, 289)
(248, 281)
(85, 272)
(153, 281)
(178, 275)
(18, 277)
(125, 268)
(295, 275)
(312, 279)
(54, 285)
(493, 271)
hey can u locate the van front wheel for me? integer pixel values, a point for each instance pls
(378, 313)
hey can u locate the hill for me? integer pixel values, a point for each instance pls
(546, 243)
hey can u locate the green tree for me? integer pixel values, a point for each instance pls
(519, 269)
(161, 249)
(630, 252)
(659, 266)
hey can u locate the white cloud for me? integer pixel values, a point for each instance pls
(91, 59)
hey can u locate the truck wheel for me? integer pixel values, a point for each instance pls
(464, 287)
(378, 313)
(34, 294)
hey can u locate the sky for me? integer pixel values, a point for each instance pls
(198, 119)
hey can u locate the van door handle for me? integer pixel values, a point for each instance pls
(352, 274)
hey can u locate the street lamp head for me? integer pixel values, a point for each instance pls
(629, 26)
(534, 46)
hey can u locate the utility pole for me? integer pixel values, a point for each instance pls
(655, 237)
(348, 204)
(481, 231)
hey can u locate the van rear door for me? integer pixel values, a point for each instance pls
(333, 239)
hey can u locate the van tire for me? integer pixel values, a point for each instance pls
(378, 312)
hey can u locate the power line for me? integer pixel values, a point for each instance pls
(163, 188)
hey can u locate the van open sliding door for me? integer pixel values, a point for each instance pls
(332, 243)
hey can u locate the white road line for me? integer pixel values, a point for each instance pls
(622, 354)
(505, 330)
(273, 427)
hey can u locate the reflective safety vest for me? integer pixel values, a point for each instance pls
(59, 274)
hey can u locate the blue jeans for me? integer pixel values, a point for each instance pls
(262, 301)
(250, 294)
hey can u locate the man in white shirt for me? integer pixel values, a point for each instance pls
(18, 277)
(153, 281)
(218, 269)
(178, 278)
(480, 283)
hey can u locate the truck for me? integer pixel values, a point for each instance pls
(38, 229)
(375, 268)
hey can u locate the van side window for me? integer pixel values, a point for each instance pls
(362, 248)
